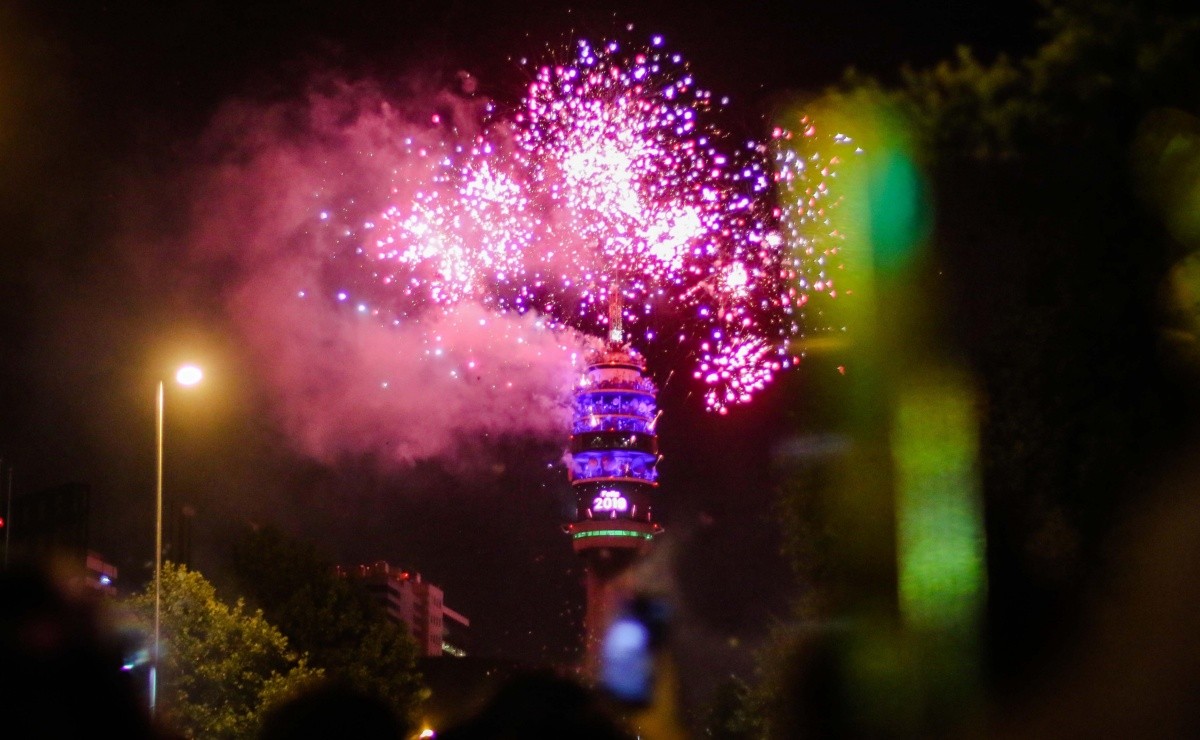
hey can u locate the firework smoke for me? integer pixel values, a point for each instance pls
(347, 379)
(410, 274)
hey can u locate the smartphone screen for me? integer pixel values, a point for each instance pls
(628, 651)
(627, 669)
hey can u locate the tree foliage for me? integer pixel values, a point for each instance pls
(222, 666)
(1064, 256)
(732, 713)
(1102, 66)
(1061, 259)
(345, 632)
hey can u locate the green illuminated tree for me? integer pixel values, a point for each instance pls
(222, 665)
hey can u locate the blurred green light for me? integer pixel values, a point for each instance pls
(899, 214)
(940, 535)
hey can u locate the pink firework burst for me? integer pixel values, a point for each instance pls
(609, 182)
(806, 165)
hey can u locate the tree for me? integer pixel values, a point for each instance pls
(1053, 273)
(732, 713)
(222, 666)
(338, 624)
(1059, 272)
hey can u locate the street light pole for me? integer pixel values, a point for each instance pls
(187, 375)
(158, 508)
(7, 512)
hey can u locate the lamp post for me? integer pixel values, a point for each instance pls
(187, 375)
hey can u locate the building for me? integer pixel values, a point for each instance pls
(100, 574)
(51, 524)
(416, 603)
(613, 470)
(50, 527)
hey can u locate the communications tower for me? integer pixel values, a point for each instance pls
(613, 470)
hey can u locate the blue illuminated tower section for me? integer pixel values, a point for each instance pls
(614, 472)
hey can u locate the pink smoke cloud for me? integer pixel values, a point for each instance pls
(278, 193)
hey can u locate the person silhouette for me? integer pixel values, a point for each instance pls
(539, 704)
(60, 664)
(333, 709)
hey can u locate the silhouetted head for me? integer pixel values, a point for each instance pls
(333, 710)
(540, 704)
(60, 664)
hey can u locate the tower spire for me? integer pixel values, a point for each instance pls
(616, 309)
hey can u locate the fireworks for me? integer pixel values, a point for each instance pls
(609, 183)
(806, 163)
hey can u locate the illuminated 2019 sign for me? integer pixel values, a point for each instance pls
(610, 500)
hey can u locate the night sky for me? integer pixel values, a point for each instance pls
(101, 107)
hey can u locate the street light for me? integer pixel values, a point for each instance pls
(187, 375)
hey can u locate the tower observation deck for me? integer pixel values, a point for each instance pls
(613, 470)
